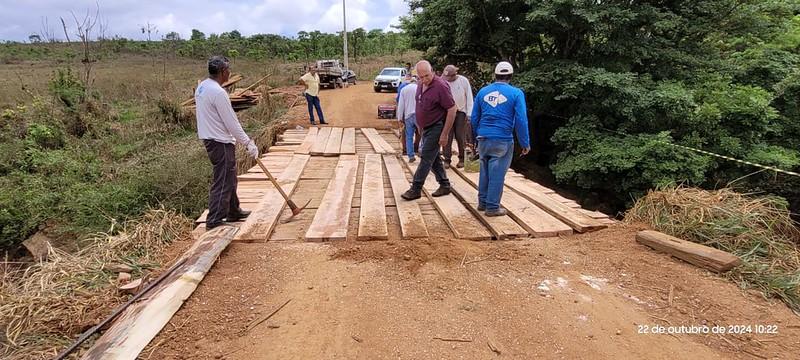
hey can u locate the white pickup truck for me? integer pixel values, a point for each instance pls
(389, 79)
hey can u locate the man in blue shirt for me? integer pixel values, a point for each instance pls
(498, 114)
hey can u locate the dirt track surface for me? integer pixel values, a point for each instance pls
(586, 296)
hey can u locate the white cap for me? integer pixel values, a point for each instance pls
(504, 68)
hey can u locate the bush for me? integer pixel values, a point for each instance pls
(67, 88)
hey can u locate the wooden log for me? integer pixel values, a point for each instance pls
(502, 227)
(460, 220)
(334, 142)
(318, 148)
(572, 217)
(333, 216)
(260, 224)
(372, 216)
(412, 224)
(703, 256)
(348, 142)
(538, 222)
(143, 320)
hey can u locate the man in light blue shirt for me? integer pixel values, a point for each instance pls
(499, 112)
(406, 113)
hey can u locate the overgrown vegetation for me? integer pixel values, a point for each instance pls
(306, 46)
(45, 306)
(757, 229)
(608, 82)
(74, 163)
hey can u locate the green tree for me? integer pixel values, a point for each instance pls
(197, 35)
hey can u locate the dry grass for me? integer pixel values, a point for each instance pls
(757, 229)
(45, 306)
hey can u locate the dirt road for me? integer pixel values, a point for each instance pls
(596, 295)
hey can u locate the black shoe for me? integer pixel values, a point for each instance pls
(460, 164)
(441, 191)
(313, 123)
(481, 207)
(411, 195)
(498, 212)
(323, 123)
(238, 215)
(446, 164)
(411, 160)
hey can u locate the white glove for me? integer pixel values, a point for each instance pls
(252, 149)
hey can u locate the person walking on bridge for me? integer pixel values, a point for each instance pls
(498, 114)
(462, 94)
(435, 111)
(311, 82)
(219, 128)
(406, 113)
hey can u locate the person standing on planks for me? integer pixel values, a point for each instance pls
(435, 111)
(311, 82)
(219, 128)
(406, 113)
(462, 94)
(499, 112)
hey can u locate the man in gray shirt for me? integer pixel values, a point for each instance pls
(219, 128)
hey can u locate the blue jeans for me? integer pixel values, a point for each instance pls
(496, 157)
(313, 103)
(429, 158)
(411, 131)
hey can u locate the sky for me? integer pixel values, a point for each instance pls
(21, 18)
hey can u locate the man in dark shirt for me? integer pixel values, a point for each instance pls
(436, 112)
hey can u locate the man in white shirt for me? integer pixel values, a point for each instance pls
(462, 94)
(219, 128)
(406, 112)
(311, 81)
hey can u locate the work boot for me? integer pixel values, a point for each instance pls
(441, 191)
(237, 215)
(411, 194)
(497, 212)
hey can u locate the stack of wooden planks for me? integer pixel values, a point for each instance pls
(241, 99)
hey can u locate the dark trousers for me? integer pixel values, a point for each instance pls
(313, 103)
(429, 158)
(459, 133)
(222, 198)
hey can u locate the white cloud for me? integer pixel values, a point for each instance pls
(126, 17)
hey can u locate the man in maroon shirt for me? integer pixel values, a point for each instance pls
(436, 112)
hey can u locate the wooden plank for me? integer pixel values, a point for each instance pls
(348, 142)
(334, 142)
(378, 142)
(533, 219)
(703, 256)
(262, 221)
(284, 148)
(502, 227)
(460, 220)
(372, 218)
(387, 148)
(572, 217)
(143, 320)
(310, 139)
(321, 142)
(412, 224)
(373, 140)
(333, 215)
